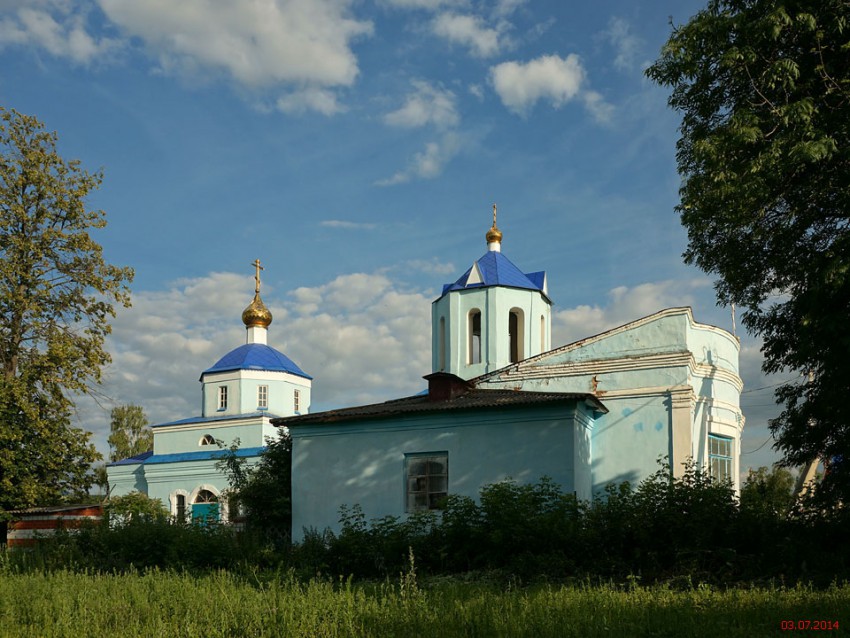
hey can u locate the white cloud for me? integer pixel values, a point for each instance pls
(469, 31)
(549, 77)
(309, 99)
(59, 29)
(433, 266)
(626, 44)
(428, 163)
(338, 223)
(257, 43)
(426, 105)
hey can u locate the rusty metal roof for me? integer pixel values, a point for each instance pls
(472, 399)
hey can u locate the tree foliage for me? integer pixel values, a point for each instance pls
(263, 492)
(129, 432)
(56, 299)
(763, 87)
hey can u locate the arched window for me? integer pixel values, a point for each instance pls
(516, 334)
(474, 336)
(205, 496)
(442, 345)
(207, 439)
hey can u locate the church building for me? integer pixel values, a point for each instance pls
(240, 394)
(501, 403)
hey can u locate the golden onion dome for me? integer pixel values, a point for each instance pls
(494, 234)
(256, 314)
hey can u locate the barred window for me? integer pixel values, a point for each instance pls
(296, 400)
(222, 397)
(426, 479)
(262, 396)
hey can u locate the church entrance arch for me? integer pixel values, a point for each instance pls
(205, 507)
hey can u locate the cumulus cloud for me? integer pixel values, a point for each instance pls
(469, 31)
(428, 163)
(426, 104)
(257, 44)
(58, 28)
(550, 77)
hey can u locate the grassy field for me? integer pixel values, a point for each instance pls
(168, 604)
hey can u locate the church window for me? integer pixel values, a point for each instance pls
(222, 397)
(180, 502)
(207, 439)
(516, 334)
(720, 457)
(475, 336)
(296, 400)
(263, 396)
(427, 480)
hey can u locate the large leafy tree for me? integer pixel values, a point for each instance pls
(56, 299)
(130, 433)
(763, 87)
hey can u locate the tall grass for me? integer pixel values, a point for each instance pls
(64, 603)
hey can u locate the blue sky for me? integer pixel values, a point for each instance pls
(356, 148)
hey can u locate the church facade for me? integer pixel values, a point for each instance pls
(502, 404)
(240, 394)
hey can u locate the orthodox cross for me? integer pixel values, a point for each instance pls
(258, 268)
(494, 215)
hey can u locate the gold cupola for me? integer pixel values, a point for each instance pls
(494, 235)
(256, 315)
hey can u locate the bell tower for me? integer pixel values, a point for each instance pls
(492, 316)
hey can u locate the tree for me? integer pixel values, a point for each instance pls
(263, 492)
(56, 298)
(130, 434)
(763, 87)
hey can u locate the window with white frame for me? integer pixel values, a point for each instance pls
(222, 397)
(296, 400)
(426, 478)
(263, 397)
(720, 457)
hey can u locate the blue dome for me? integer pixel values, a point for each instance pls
(257, 356)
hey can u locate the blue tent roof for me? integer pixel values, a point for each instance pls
(498, 270)
(257, 356)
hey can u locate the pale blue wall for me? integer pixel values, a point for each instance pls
(362, 462)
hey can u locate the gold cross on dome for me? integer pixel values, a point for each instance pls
(494, 215)
(258, 268)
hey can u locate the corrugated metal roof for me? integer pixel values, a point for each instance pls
(498, 270)
(419, 404)
(257, 356)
